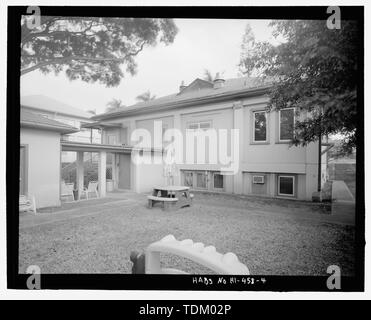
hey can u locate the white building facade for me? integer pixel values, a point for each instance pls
(268, 165)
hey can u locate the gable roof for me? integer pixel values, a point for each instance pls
(232, 89)
(197, 84)
(33, 120)
(44, 103)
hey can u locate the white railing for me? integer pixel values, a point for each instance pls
(88, 139)
(78, 138)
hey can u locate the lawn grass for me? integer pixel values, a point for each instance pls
(270, 237)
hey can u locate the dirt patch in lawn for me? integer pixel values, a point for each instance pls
(268, 238)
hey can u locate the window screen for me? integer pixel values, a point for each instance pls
(201, 180)
(286, 185)
(218, 181)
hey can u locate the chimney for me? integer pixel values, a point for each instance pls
(182, 86)
(218, 81)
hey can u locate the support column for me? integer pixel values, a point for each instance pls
(102, 173)
(102, 134)
(80, 172)
(177, 125)
(238, 124)
(114, 170)
(134, 172)
(131, 128)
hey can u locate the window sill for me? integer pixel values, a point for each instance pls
(259, 143)
(283, 142)
(286, 197)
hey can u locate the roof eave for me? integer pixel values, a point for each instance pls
(84, 118)
(34, 125)
(186, 103)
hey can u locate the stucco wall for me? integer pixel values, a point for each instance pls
(146, 176)
(272, 157)
(219, 119)
(43, 170)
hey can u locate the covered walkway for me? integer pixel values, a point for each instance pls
(343, 204)
(101, 149)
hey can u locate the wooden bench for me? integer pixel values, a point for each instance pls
(166, 202)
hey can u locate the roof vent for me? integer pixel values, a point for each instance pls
(218, 81)
(182, 86)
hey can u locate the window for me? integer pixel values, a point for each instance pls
(201, 180)
(218, 180)
(188, 179)
(286, 185)
(204, 125)
(193, 126)
(111, 139)
(260, 126)
(286, 124)
(23, 166)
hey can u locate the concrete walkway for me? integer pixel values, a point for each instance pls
(81, 208)
(341, 192)
(343, 204)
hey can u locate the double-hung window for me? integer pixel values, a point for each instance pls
(203, 125)
(286, 124)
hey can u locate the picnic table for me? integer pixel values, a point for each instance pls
(170, 197)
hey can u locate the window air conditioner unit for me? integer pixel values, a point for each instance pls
(258, 179)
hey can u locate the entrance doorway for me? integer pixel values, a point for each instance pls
(23, 170)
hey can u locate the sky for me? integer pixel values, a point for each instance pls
(200, 44)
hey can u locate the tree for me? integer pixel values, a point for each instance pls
(91, 49)
(248, 51)
(146, 96)
(314, 70)
(114, 104)
(208, 76)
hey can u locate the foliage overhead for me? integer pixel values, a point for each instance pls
(91, 49)
(208, 75)
(315, 71)
(146, 96)
(114, 104)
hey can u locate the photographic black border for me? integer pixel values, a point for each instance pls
(166, 282)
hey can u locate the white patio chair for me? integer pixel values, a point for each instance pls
(27, 203)
(67, 190)
(91, 189)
